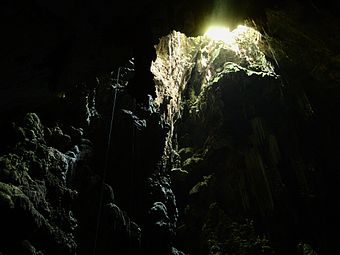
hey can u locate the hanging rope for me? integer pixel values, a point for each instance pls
(106, 164)
(131, 196)
(132, 167)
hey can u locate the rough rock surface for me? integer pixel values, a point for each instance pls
(233, 130)
(36, 215)
(257, 152)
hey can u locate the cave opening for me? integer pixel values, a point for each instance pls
(209, 90)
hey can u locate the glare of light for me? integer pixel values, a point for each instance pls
(240, 38)
(220, 34)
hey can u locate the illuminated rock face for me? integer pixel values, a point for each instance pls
(213, 94)
(186, 67)
(232, 146)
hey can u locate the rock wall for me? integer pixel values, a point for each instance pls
(36, 203)
(250, 158)
(237, 144)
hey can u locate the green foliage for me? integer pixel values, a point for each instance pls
(186, 152)
(190, 162)
(223, 235)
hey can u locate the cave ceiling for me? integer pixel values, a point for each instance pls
(50, 46)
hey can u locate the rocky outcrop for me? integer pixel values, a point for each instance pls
(51, 198)
(36, 214)
(235, 140)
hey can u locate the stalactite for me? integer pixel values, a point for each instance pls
(259, 179)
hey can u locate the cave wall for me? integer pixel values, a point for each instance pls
(255, 147)
(58, 58)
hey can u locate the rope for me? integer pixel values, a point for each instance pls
(132, 167)
(131, 207)
(105, 165)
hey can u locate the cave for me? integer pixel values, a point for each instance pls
(169, 127)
